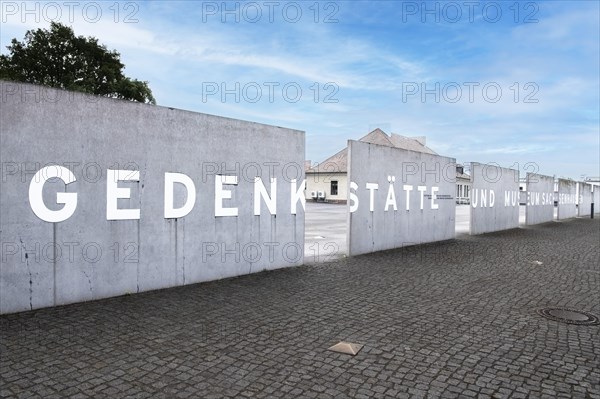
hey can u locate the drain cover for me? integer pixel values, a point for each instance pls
(346, 347)
(569, 316)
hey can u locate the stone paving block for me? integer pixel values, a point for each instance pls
(431, 328)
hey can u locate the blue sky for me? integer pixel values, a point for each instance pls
(366, 64)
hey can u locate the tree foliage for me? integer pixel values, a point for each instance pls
(58, 58)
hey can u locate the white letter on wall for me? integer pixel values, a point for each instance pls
(297, 195)
(170, 180)
(36, 200)
(261, 191)
(408, 188)
(353, 197)
(113, 193)
(391, 199)
(422, 190)
(221, 194)
(372, 187)
(434, 190)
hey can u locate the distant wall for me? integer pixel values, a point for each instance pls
(585, 199)
(398, 197)
(494, 198)
(540, 199)
(596, 199)
(93, 254)
(567, 199)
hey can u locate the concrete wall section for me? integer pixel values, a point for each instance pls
(585, 199)
(596, 198)
(567, 199)
(398, 198)
(90, 255)
(494, 198)
(540, 199)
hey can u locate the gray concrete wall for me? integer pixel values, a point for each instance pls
(567, 199)
(88, 257)
(540, 199)
(596, 198)
(372, 227)
(494, 198)
(585, 199)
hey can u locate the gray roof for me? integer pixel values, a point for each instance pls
(339, 162)
(462, 176)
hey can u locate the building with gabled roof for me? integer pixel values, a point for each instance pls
(331, 176)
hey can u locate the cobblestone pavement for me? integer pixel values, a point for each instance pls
(452, 319)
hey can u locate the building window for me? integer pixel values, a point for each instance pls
(334, 187)
(466, 191)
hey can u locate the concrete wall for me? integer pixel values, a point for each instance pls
(540, 199)
(585, 199)
(494, 198)
(322, 182)
(86, 256)
(375, 225)
(567, 199)
(596, 198)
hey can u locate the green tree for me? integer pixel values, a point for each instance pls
(58, 58)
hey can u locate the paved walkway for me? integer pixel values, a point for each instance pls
(453, 319)
(326, 228)
(327, 224)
